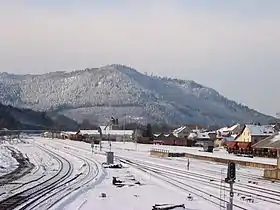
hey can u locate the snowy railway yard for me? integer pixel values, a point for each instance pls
(65, 174)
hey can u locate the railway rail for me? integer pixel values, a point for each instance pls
(217, 172)
(34, 176)
(214, 175)
(30, 194)
(181, 185)
(239, 191)
(248, 176)
(271, 196)
(261, 193)
(63, 190)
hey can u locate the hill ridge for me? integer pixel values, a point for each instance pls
(96, 93)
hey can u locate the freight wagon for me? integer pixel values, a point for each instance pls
(144, 140)
(92, 140)
(171, 141)
(245, 148)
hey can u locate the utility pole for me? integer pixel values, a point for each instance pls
(135, 141)
(231, 176)
(278, 159)
(110, 145)
(222, 191)
(231, 196)
(124, 128)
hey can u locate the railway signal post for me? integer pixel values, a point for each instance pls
(231, 176)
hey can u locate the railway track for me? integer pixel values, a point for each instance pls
(261, 185)
(217, 170)
(247, 179)
(253, 187)
(181, 185)
(245, 176)
(217, 173)
(35, 176)
(30, 194)
(82, 180)
(241, 174)
(270, 196)
(215, 185)
(264, 194)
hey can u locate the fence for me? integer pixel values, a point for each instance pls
(165, 153)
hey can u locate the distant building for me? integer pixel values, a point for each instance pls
(67, 134)
(222, 141)
(276, 126)
(47, 134)
(255, 133)
(203, 138)
(271, 142)
(229, 131)
(182, 132)
(184, 136)
(178, 137)
(109, 134)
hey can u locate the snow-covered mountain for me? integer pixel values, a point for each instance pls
(96, 94)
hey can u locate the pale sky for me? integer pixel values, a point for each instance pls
(231, 46)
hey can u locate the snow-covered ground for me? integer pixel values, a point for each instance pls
(7, 162)
(213, 170)
(50, 166)
(161, 180)
(221, 153)
(131, 196)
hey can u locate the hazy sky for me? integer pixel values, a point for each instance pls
(231, 46)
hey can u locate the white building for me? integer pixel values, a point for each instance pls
(228, 131)
(109, 134)
(182, 132)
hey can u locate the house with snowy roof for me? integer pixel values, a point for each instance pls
(182, 132)
(271, 142)
(228, 131)
(67, 134)
(276, 126)
(203, 136)
(200, 136)
(255, 133)
(108, 133)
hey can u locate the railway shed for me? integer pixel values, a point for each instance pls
(271, 143)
